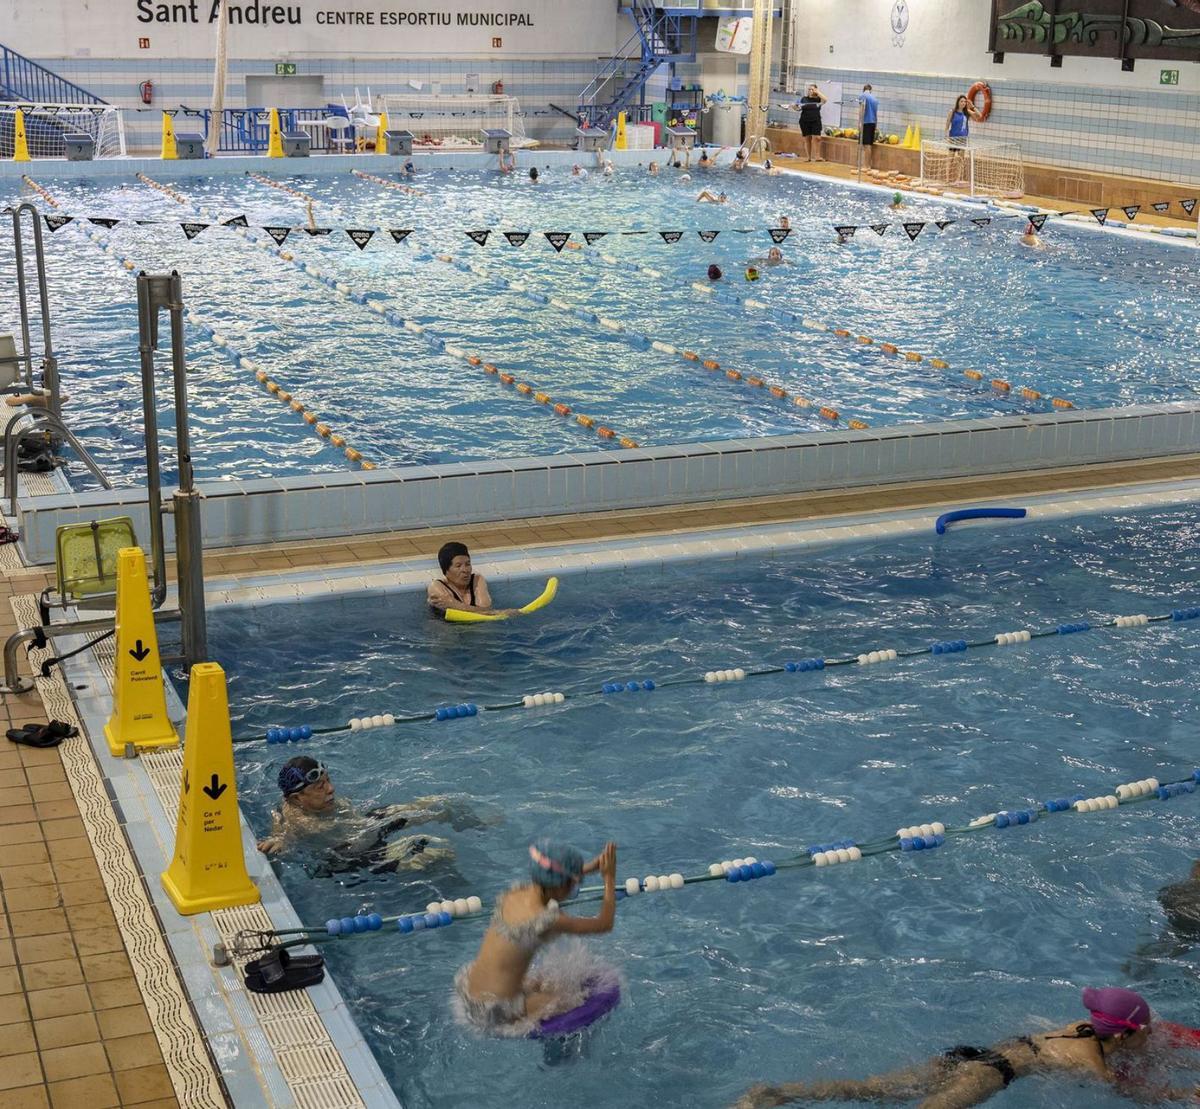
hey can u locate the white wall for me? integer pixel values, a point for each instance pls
(950, 37)
(309, 28)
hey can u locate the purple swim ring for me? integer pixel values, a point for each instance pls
(602, 998)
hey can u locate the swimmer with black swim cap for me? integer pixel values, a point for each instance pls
(963, 1076)
(460, 587)
(497, 993)
(312, 816)
(533, 175)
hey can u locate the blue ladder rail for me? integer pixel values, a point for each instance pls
(659, 37)
(22, 78)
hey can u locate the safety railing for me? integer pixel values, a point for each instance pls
(247, 130)
(41, 424)
(22, 78)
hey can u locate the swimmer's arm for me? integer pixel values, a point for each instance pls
(603, 920)
(273, 844)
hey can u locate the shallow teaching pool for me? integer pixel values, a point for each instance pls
(810, 973)
(1098, 319)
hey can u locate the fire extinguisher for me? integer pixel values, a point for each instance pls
(497, 88)
(146, 88)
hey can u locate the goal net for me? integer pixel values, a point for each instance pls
(46, 124)
(437, 119)
(989, 169)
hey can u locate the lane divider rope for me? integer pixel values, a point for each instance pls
(293, 734)
(388, 184)
(923, 837)
(440, 345)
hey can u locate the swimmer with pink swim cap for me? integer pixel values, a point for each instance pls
(1118, 1028)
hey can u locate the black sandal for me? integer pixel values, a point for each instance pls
(279, 972)
(42, 735)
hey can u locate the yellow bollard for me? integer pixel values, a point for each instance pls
(139, 713)
(168, 152)
(907, 143)
(208, 870)
(275, 141)
(380, 141)
(20, 146)
(622, 142)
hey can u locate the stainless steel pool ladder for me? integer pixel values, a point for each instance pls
(41, 423)
(25, 357)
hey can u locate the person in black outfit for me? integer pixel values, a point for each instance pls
(810, 121)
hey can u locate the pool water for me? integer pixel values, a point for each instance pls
(808, 974)
(1098, 319)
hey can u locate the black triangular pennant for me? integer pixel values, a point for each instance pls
(1131, 210)
(671, 236)
(981, 221)
(191, 230)
(279, 234)
(360, 236)
(517, 238)
(55, 222)
(104, 221)
(1101, 215)
(97, 112)
(913, 229)
(1038, 221)
(635, 232)
(172, 112)
(557, 239)
(778, 234)
(49, 109)
(1188, 206)
(942, 224)
(315, 231)
(743, 230)
(846, 230)
(592, 237)
(1161, 205)
(235, 221)
(879, 228)
(708, 236)
(398, 234)
(480, 238)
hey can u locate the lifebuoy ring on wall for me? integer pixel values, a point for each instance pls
(975, 90)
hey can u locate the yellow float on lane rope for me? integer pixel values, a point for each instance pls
(208, 870)
(457, 616)
(139, 713)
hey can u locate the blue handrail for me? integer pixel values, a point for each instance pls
(247, 130)
(22, 78)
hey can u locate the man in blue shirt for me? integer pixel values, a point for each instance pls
(870, 117)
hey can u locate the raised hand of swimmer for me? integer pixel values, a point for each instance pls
(607, 860)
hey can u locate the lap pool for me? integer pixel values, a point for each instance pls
(810, 973)
(373, 342)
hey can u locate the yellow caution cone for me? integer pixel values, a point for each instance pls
(20, 146)
(622, 142)
(907, 143)
(275, 142)
(208, 870)
(139, 713)
(916, 140)
(168, 152)
(380, 141)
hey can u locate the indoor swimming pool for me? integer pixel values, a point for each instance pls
(1099, 320)
(807, 974)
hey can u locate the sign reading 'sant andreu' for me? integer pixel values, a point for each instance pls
(325, 28)
(1167, 29)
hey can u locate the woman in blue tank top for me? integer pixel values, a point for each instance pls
(958, 122)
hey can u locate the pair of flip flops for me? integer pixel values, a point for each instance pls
(42, 735)
(279, 972)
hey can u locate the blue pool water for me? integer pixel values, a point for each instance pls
(1097, 319)
(810, 973)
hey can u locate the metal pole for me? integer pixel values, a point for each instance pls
(189, 542)
(49, 362)
(21, 297)
(861, 112)
(150, 292)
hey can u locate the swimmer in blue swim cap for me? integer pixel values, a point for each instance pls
(498, 993)
(1100, 1049)
(343, 838)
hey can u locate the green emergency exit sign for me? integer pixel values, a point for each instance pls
(288, 69)
(1168, 77)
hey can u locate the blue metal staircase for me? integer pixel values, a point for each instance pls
(22, 78)
(659, 38)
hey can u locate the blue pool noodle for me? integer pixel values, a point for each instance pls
(977, 514)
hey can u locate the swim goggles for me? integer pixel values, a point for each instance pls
(292, 779)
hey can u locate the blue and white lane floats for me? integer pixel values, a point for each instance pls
(908, 840)
(629, 686)
(947, 518)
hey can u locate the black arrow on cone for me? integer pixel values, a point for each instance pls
(187, 783)
(139, 652)
(216, 789)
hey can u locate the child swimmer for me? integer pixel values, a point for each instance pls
(498, 993)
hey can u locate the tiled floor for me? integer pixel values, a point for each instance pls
(74, 1031)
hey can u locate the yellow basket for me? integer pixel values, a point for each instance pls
(86, 556)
